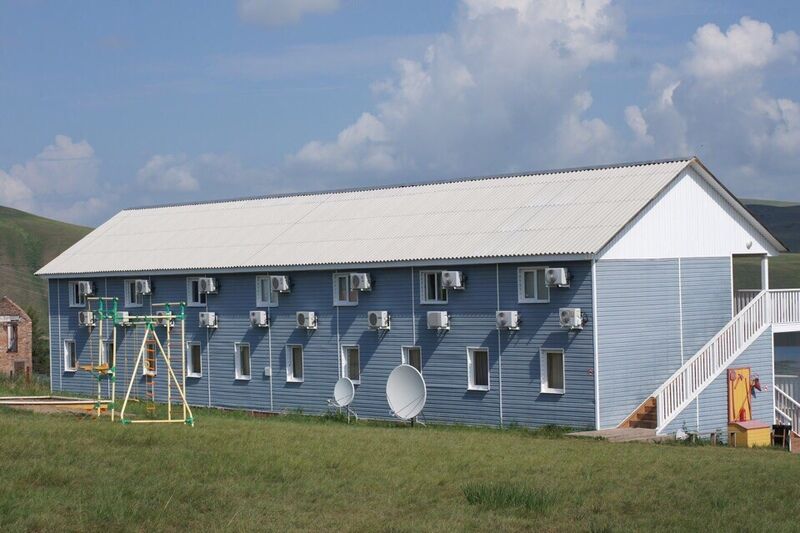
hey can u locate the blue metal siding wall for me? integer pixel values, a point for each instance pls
(711, 408)
(444, 354)
(645, 306)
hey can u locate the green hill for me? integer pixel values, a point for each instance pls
(27, 242)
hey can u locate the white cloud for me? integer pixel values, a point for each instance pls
(280, 12)
(167, 172)
(637, 123)
(506, 88)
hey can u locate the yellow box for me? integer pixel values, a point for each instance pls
(749, 434)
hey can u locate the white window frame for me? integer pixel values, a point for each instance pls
(191, 371)
(344, 366)
(423, 288)
(404, 359)
(191, 302)
(154, 371)
(545, 386)
(75, 298)
(105, 354)
(12, 336)
(336, 301)
(521, 298)
(471, 368)
(289, 354)
(272, 299)
(68, 366)
(132, 298)
(237, 349)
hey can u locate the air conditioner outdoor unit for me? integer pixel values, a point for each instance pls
(360, 281)
(207, 285)
(279, 283)
(143, 286)
(306, 319)
(123, 317)
(378, 319)
(452, 279)
(508, 320)
(556, 277)
(438, 320)
(85, 288)
(86, 319)
(259, 319)
(164, 320)
(571, 317)
(208, 319)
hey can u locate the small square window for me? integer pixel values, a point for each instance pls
(294, 363)
(12, 337)
(242, 350)
(343, 294)
(431, 290)
(76, 297)
(478, 369)
(412, 355)
(132, 297)
(194, 361)
(552, 371)
(351, 363)
(70, 356)
(265, 296)
(531, 286)
(107, 353)
(149, 361)
(194, 297)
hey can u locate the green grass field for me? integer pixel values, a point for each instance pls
(235, 472)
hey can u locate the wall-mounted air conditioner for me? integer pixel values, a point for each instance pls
(142, 286)
(207, 285)
(306, 319)
(378, 319)
(452, 279)
(556, 277)
(571, 317)
(438, 320)
(164, 319)
(208, 319)
(85, 288)
(123, 318)
(86, 319)
(259, 319)
(360, 281)
(279, 283)
(508, 320)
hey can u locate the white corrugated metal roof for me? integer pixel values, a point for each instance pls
(567, 212)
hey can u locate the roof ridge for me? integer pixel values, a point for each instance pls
(445, 181)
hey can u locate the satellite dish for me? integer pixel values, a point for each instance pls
(343, 392)
(406, 392)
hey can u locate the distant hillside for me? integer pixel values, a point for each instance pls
(782, 218)
(27, 242)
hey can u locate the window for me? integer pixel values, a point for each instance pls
(149, 363)
(194, 362)
(412, 355)
(265, 296)
(242, 350)
(70, 357)
(76, 297)
(132, 298)
(552, 367)
(343, 294)
(531, 286)
(478, 368)
(193, 295)
(12, 337)
(351, 363)
(431, 290)
(294, 363)
(107, 353)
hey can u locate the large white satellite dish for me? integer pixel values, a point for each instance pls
(343, 392)
(406, 392)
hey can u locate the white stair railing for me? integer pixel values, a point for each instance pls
(699, 371)
(742, 297)
(788, 408)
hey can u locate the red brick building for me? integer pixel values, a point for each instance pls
(16, 340)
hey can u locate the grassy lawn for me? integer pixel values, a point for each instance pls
(236, 472)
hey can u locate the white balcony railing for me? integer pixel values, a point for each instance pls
(742, 297)
(787, 408)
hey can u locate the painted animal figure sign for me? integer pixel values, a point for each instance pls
(406, 392)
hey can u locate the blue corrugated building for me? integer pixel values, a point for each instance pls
(618, 282)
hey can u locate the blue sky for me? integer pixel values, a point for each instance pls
(110, 105)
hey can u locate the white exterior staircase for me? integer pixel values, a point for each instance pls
(765, 309)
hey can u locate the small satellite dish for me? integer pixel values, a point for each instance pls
(406, 392)
(343, 392)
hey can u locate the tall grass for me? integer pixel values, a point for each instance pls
(507, 496)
